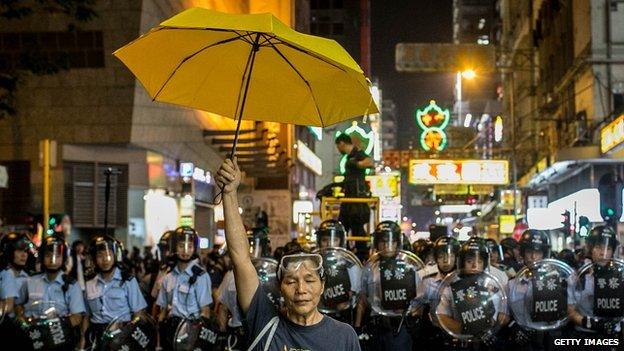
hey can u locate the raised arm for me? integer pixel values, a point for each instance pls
(229, 177)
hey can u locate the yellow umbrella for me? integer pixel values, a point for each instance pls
(248, 67)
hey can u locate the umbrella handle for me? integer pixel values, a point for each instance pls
(246, 78)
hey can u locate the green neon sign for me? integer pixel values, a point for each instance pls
(432, 120)
(368, 138)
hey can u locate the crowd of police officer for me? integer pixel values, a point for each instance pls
(473, 295)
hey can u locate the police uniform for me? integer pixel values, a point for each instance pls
(12, 284)
(384, 335)
(116, 298)
(186, 300)
(39, 288)
(499, 274)
(227, 296)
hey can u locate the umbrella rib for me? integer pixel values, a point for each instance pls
(302, 78)
(225, 41)
(311, 54)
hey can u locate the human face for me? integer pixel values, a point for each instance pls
(342, 147)
(494, 257)
(473, 264)
(52, 260)
(601, 252)
(532, 256)
(20, 257)
(385, 245)
(445, 261)
(185, 249)
(325, 242)
(301, 289)
(105, 259)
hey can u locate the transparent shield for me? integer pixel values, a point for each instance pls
(343, 274)
(598, 290)
(137, 334)
(48, 328)
(392, 281)
(468, 305)
(266, 268)
(196, 334)
(538, 296)
(53, 255)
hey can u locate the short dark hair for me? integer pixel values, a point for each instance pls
(343, 138)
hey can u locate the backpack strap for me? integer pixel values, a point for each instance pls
(272, 325)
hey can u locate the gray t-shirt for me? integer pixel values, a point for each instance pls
(328, 334)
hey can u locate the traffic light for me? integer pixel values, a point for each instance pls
(610, 189)
(583, 223)
(565, 221)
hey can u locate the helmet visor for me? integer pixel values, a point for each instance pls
(185, 245)
(54, 254)
(105, 251)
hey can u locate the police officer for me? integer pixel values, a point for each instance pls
(343, 272)
(53, 288)
(423, 248)
(113, 294)
(388, 332)
(166, 261)
(186, 291)
(445, 251)
(511, 255)
(595, 305)
(16, 248)
(470, 305)
(496, 268)
(524, 291)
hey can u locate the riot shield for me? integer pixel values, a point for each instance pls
(266, 268)
(138, 334)
(538, 295)
(392, 281)
(48, 329)
(196, 334)
(343, 272)
(599, 290)
(468, 305)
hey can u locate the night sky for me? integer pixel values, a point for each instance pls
(396, 21)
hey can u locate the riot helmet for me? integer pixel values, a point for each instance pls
(602, 243)
(445, 251)
(534, 241)
(508, 246)
(388, 237)
(12, 242)
(423, 248)
(259, 242)
(53, 253)
(186, 243)
(473, 257)
(106, 252)
(331, 233)
(165, 247)
(496, 251)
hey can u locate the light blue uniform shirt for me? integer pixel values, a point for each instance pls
(228, 297)
(39, 288)
(108, 300)
(10, 284)
(186, 301)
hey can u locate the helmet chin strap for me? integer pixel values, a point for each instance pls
(187, 260)
(50, 270)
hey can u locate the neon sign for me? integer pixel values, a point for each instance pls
(470, 172)
(432, 120)
(367, 139)
(612, 135)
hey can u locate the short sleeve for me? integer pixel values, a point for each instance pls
(76, 300)
(204, 290)
(135, 298)
(445, 306)
(8, 285)
(260, 312)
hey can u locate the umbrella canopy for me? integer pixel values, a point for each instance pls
(250, 67)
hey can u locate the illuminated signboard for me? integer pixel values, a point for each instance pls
(612, 135)
(186, 169)
(506, 223)
(309, 158)
(494, 172)
(432, 120)
(386, 184)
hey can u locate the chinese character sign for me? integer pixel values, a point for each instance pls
(495, 172)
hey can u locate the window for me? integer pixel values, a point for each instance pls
(337, 29)
(85, 185)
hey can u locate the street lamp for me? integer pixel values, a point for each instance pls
(468, 74)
